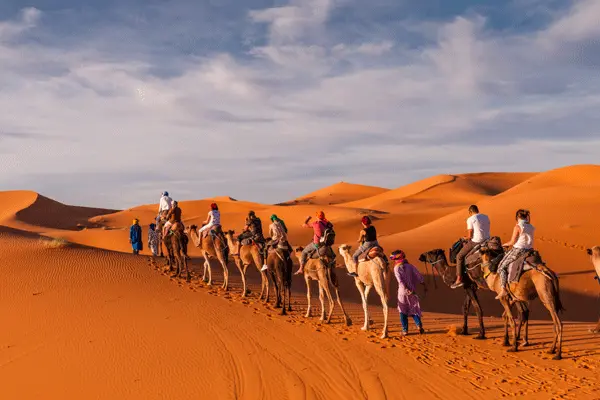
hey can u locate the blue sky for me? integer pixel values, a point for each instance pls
(110, 103)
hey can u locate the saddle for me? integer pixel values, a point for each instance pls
(519, 266)
(371, 253)
(323, 251)
(494, 243)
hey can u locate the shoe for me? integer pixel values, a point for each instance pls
(421, 330)
(354, 274)
(457, 285)
(264, 268)
(404, 333)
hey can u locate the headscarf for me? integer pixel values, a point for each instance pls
(276, 218)
(152, 227)
(135, 221)
(213, 206)
(398, 256)
(320, 215)
(165, 193)
(366, 220)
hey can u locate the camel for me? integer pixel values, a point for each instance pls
(372, 273)
(249, 254)
(212, 249)
(280, 264)
(437, 259)
(594, 254)
(538, 282)
(322, 271)
(176, 252)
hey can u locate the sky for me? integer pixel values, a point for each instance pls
(108, 103)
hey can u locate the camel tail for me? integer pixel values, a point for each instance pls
(557, 301)
(387, 273)
(549, 274)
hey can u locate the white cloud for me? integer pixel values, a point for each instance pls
(301, 107)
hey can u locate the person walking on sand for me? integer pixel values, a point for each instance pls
(153, 237)
(408, 277)
(135, 237)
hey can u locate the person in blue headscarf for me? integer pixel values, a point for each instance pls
(135, 237)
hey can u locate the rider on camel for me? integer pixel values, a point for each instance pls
(521, 241)
(478, 231)
(278, 234)
(165, 204)
(252, 230)
(319, 227)
(367, 239)
(213, 220)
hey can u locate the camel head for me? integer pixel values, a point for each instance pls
(193, 228)
(344, 249)
(594, 254)
(486, 257)
(433, 257)
(298, 251)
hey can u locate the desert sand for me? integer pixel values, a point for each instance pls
(83, 318)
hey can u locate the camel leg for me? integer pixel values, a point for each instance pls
(225, 285)
(479, 311)
(322, 300)
(265, 278)
(277, 285)
(519, 324)
(505, 342)
(597, 328)
(307, 295)
(558, 328)
(336, 288)
(204, 279)
(187, 270)
(243, 275)
(347, 319)
(465, 310)
(327, 291)
(513, 325)
(207, 265)
(526, 323)
(384, 303)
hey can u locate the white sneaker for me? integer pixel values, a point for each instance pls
(264, 268)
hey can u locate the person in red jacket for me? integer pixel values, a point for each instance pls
(319, 226)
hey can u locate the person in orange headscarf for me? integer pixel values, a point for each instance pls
(319, 226)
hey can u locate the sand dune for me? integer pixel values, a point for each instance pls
(89, 321)
(341, 192)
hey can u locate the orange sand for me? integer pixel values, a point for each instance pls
(87, 321)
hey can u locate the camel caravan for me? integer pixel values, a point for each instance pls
(514, 270)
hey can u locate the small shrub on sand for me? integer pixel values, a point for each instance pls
(54, 243)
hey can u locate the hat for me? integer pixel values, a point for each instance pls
(320, 215)
(397, 255)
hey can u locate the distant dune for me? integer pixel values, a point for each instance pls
(93, 321)
(341, 192)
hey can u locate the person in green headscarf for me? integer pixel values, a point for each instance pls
(276, 218)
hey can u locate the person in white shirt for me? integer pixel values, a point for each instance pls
(165, 203)
(521, 241)
(478, 231)
(213, 219)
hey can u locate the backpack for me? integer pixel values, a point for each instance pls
(328, 238)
